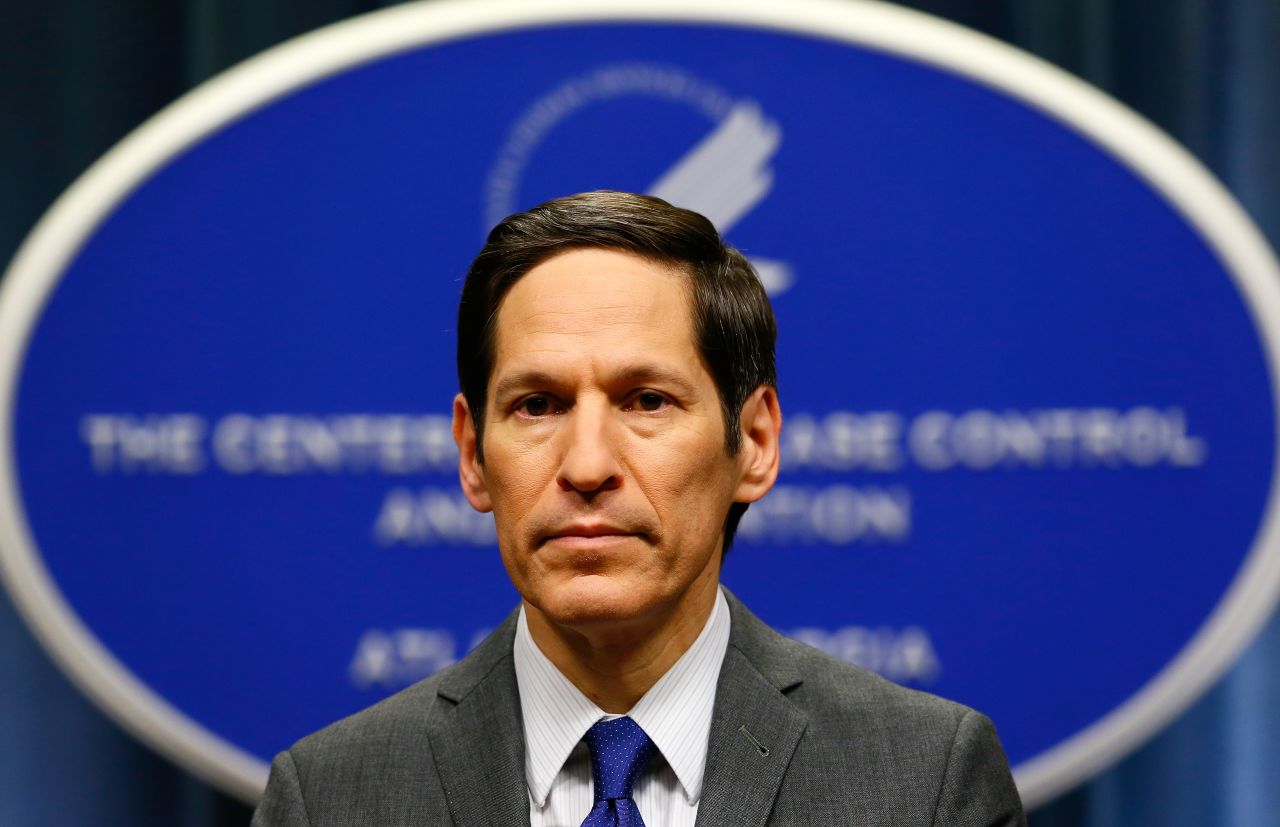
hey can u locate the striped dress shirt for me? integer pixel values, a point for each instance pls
(675, 712)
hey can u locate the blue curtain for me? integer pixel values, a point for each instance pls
(76, 76)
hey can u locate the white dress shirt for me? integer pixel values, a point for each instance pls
(675, 712)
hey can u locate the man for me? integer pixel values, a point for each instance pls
(618, 413)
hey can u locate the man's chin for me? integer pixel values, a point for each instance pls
(594, 600)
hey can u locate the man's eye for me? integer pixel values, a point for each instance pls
(535, 406)
(650, 401)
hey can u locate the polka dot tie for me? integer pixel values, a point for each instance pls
(620, 749)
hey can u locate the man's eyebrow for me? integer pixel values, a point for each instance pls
(634, 375)
(521, 381)
(644, 374)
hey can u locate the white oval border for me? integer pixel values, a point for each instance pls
(1165, 166)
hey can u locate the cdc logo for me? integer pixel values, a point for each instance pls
(1027, 358)
(724, 176)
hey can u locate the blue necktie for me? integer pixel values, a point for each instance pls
(620, 749)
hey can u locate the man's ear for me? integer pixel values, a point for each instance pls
(470, 470)
(759, 456)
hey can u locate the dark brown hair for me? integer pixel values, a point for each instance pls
(733, 323)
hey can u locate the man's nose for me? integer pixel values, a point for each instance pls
(590, 460)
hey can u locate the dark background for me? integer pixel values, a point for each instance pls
(75, 77)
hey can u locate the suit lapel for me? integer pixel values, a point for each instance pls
(754, 728)
(479, 743)
(478, 740)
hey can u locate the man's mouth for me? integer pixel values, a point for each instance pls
(592, 535)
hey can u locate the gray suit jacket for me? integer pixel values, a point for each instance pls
(796, 738)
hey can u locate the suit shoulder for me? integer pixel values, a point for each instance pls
(409, 709)
(375, 766)
(353, 770)
(924, 759)
(843, 691)
(410, 714)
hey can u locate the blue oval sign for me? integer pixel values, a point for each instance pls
(1027, 361)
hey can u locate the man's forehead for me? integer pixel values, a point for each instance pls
(608, 314)
(586, 297)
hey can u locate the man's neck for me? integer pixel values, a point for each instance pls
(615, 664)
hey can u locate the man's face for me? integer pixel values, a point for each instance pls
(604, 445)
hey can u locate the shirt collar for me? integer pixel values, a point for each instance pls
(675, 712)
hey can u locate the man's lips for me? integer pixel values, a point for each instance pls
(589, 535)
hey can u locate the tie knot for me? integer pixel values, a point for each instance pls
(620, 750)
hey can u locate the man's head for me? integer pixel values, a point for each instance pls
(733, 323)
(617, 372)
